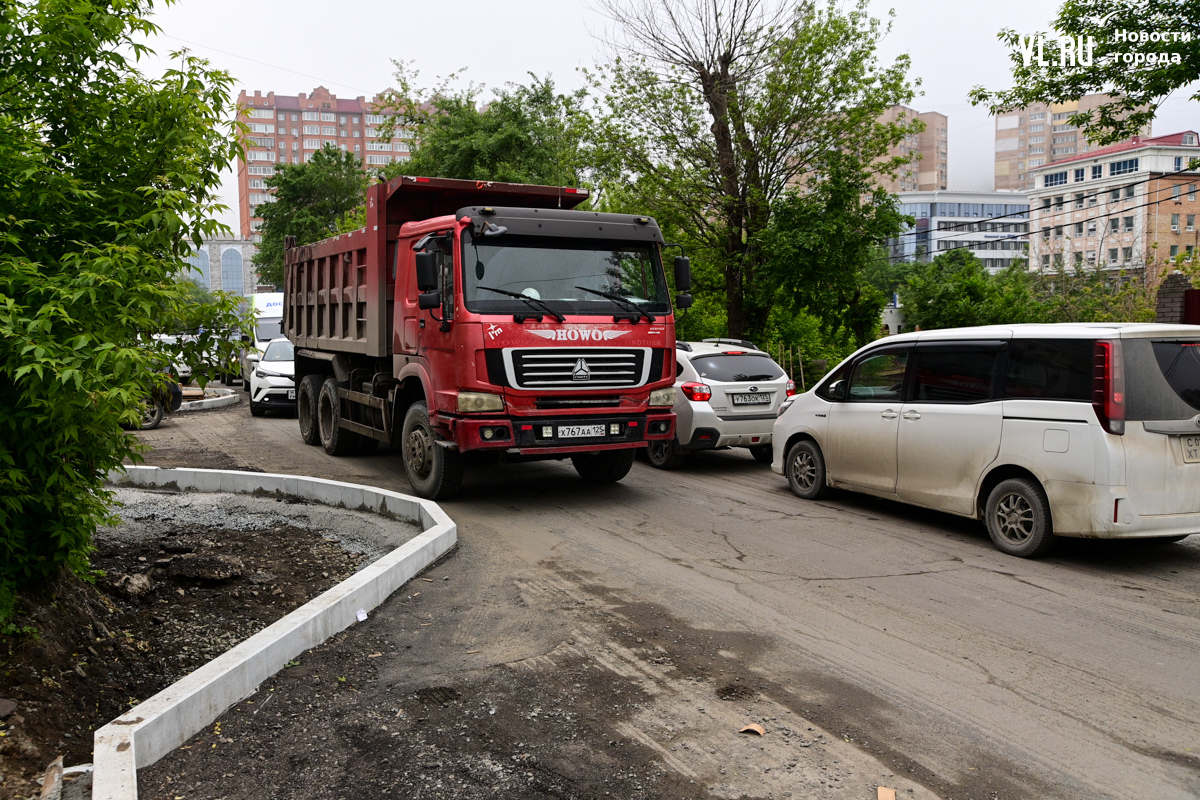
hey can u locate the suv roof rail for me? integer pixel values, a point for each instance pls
(683, 346)
(739, 342)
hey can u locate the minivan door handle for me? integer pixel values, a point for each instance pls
(912, 414)
(889, 414)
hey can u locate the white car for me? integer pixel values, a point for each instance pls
(272, 383)
(727, 393)
(1080, 430)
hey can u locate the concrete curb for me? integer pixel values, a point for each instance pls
(154, 728)
(225, 397)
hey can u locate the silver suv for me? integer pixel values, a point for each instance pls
(728, 393)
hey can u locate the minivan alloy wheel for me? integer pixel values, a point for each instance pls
(1017, 516)
(804, 467)
(1014, 519)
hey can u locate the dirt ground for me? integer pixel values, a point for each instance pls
(179, 586)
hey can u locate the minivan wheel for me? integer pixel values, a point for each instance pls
(762, 453)
(1017, 515)
(336, 440)
(804, 468)
(664, 453)
(307, 394)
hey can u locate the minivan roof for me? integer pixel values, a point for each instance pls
(1060, 330)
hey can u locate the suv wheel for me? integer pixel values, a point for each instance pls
(664, 453)
(1017, 515)
(762, 453)
(804, 468)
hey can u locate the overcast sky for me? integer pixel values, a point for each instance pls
(348, 47)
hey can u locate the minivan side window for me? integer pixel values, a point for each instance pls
(878, 378)
(958, 376)
(1049, 369)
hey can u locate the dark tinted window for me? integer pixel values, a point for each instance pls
(1049, 369)
(962, 376)
(741, 367)
(1180, 365)
(878, 378)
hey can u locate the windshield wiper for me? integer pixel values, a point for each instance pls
(753, 377)
(622, 302)
(527, 300)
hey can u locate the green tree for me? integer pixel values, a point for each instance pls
(711, 110)
(312, 201)
(1093, 295)
(818, 245)
(955, 290)
(528, 134)
(109, 182)
(1139, 74)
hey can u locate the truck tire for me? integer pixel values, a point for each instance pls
(337, 442)
(607, 467)
(434, 472)
(307, 395)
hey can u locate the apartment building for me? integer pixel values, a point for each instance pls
(1037, 135)
(994, 226)
(925, 152)
(288, 129)
(1129, 206)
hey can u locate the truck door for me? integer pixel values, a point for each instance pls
(435, 339)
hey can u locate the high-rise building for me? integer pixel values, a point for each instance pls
(925, 152)
(1126, 206)
(288, 129)
(994, 226)
(1040, 134)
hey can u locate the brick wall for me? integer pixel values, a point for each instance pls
(1169, 307)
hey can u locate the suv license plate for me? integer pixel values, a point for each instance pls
(291, 394)
(750, 399)
(579, 431)
(1191, 449)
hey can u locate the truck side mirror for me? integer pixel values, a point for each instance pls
(683, 300)
(683, 274)
(427, 272)
(427, 301)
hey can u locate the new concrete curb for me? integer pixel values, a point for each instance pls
(154, 728)
(225, 397)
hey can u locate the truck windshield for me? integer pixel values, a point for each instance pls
(551, 269)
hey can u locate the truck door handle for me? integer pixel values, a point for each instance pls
(912, 414)
(889, 414)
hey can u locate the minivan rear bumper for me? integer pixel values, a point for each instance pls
(1107, 512)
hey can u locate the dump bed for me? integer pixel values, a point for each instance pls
(339, 292)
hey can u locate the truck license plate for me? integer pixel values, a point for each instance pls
(291, 394)
(750, 399)
(579, 431)
(1191, 449)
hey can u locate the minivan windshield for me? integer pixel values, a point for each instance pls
(552, 269)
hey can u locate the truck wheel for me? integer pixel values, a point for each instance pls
(664, 453)
(434, 472)
(307, 395)
(1017, 515)
(762, 453)
(337, 442)
(607, 467)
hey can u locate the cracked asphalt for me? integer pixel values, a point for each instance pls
(925, 659)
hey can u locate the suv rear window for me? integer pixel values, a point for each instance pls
(737, 367)
(1049, 369)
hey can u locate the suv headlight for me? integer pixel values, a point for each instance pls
(469, 402)
(663, 397)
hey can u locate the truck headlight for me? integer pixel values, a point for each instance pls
(469, 402)
(663, 397)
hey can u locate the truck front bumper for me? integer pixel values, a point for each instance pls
(548, 435)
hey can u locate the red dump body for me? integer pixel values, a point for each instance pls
(521, 354)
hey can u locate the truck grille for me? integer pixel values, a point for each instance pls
(589, 368)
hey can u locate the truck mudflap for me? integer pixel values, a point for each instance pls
(564, 435)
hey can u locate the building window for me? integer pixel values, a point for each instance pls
(1179, 163)
(312, 115)
(356, 134)
(1036, 139)
(1079, 199)
(231, 272)
(1114, 196)
(380, 146)
(1123, 167)
(1128, 226)
(1092, 228)
(379, 159)
(1055, 179)
(260, 155)
(1035, 117)
(1189, 138)
(1175, 223)
(1046, 262)
(1079, 229)
(199, 274)
(343, 134)
(341, 120)
(357, 147)
(1035, 162)
(1174, 250)
(1035, 150)
(257, 170)
(1114, 225)
(1093, 200)
(1126, 254)
(295, 146)
(295, 117)
(327, 131)
(1191, 222)
(1097, 171)
(257, 183)
(1091, 258)
(1079, 175)
(1112, 255)
(356, 120)
(259, 127)
(312, 130)
(312, 144)
(1128, 192)
(1176, 191)
(1191, 192)
(327, 117)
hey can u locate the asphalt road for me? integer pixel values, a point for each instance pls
(920, 651)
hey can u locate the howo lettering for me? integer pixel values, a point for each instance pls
(477, 322)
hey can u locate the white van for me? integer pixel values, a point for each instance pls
(267, 308)
(1083, 430)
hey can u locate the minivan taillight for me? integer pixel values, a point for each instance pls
(696, 391)
(1108, 386)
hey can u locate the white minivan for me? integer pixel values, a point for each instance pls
(1080, 430)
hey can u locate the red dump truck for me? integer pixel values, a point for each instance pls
(478, 322)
